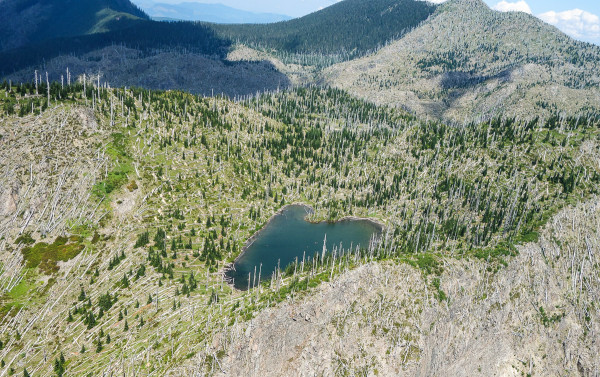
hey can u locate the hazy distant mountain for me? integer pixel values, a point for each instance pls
(217, 13)
(468, 61)
(29, 21)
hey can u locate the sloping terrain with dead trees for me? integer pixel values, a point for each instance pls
(122, 208)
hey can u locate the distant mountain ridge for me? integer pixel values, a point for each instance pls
(350, 28)
(24, 22)
(217, 13)
(459, 61)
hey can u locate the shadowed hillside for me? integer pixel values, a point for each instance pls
(28, 21)
(340, 32)
(147, 37)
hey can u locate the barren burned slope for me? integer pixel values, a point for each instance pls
(468, 62)
(167, 70)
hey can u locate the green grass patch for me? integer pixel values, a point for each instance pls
(497, 253)
(114, 180)
(20, 290)
(548, 320)
(20, 295)
(426, 262)
(83, 230)
(117, 149)
(118, 176)
(10, 308)
(25, 239)
(45, 256)
(440, 294)
(528, 237)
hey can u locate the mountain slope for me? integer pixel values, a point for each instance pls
(347, 29)
(217, 13)
(381, 319)
(148, 38)
(121, 208)
(351, 26)
(468, 61)
(464, 62)
(29, 21)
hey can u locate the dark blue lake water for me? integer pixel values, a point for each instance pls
(288, 236)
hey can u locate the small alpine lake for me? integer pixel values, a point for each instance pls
(288, 236)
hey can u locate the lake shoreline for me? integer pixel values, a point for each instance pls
(378, 224)
(230, 266)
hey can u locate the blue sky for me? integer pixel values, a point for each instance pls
(578, 18)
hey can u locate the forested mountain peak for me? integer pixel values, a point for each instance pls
(341, 32)
(350, 27)
(29, 21)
